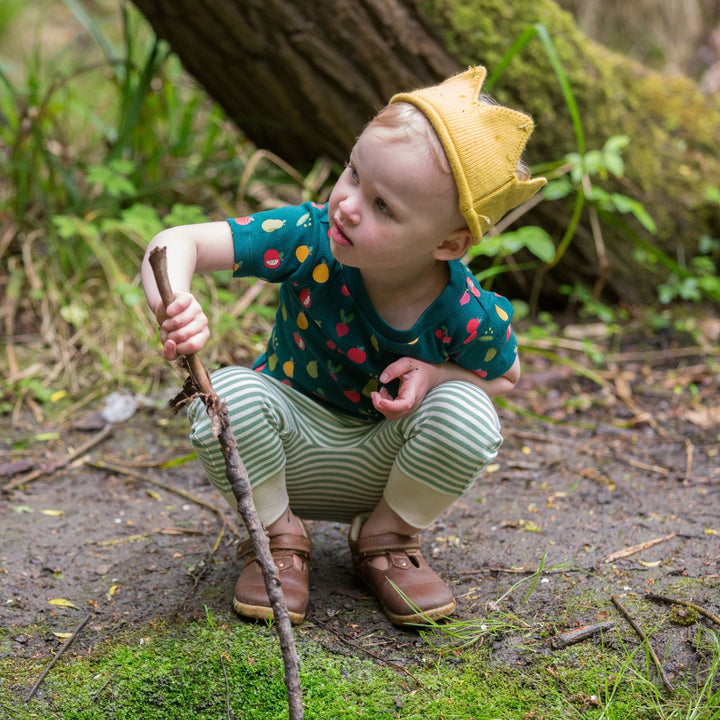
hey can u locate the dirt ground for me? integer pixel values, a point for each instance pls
(587, 471)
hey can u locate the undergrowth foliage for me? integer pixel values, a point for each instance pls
(106, 146)
(103, 151)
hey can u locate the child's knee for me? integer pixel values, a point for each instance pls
(241, 389)
(458, 420)
(465, 404)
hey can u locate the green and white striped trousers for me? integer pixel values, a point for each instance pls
(331, 466)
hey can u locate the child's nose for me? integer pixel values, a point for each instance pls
(349, 209)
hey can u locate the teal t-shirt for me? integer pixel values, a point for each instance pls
(328, 341)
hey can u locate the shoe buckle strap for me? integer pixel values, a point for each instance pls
(374, 545)
(293, 544)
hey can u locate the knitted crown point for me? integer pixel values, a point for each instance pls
(483, 143)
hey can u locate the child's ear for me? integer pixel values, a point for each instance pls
(454, 246)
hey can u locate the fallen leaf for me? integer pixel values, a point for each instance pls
(13, 468)
(179, 461)
(179, 531)
(22, 509)
(120, 541)
(529, 526)
(704, 417)
(62, 602)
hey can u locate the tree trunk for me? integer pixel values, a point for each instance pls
(301, 79)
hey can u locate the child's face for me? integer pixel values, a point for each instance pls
(392, 206)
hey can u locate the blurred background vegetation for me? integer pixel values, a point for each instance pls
(104, 140)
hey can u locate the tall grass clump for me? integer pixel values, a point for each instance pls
(105, 141)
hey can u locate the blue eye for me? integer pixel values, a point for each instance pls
(382, 206)
(353, 172)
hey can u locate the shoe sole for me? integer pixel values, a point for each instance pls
(262, 612)
(420, 618)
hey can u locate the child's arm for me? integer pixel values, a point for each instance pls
(417, 378)
(190, 248)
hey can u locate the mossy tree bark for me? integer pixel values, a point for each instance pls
(302, 78)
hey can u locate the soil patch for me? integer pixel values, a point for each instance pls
(613, 488)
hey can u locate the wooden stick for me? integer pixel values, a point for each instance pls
(644, 638)
(58, 655)
(684, 603)
(578, 634)
(237, 475)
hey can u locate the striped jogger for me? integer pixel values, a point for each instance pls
(337, 465)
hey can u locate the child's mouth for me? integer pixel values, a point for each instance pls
(338, 236)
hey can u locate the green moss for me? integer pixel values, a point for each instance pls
(177, 671)
(673, 128)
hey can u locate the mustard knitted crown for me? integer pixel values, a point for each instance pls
(483, 143)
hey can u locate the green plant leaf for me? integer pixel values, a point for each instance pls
(625, 204)
(557, 189)
(142, 220)
(530, 237)
(113, 178)
(131, 295)
(539, 243)
(712, 194)
(185, 215)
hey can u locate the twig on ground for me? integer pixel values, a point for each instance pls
(498, 569)
(689, 455)
(685, 603)
(377, 657)
(626, 552)
(579, 634)
(646, 641)
(58, 655)
(56, 465)
(639, 464)
(650, 356)
(633, 462)
(130, 472)
(237, 475)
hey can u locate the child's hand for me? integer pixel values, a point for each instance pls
(416, 379)
(183, 326)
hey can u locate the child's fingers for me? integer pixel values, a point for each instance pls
(169, 351)
(186, 343)
(398, 369)
(391, 408)
(177, 313)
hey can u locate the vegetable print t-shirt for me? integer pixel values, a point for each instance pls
(328, 341)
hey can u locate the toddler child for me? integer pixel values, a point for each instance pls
(371, 403)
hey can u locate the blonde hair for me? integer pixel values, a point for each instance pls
(410, 124)
(405, 117)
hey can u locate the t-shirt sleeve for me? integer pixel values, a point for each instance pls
(273, 244)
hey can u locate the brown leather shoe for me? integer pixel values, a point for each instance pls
(428, 597)
(291, 554)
